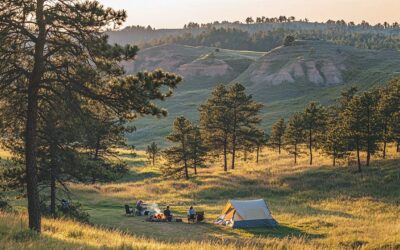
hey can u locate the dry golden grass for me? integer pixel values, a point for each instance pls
(317, 207)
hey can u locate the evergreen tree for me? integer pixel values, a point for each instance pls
(362, 126)
(178, 156)
(152, 151)
(197, 149)
(277, 134)
(314, 122)
(215, 123)
(59, 48)
(244, 116)
(389, 112)
(294, 136)
(334, 142)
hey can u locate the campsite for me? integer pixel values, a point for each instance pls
(312, 213)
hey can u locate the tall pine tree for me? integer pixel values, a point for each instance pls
(294, 136)
(277, 134)
(314, 122)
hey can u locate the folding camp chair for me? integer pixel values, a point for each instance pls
(129, 211)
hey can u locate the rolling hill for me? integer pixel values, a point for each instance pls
(284, 79)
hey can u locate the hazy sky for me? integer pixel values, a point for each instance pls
(175, 13)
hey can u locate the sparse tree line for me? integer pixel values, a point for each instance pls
(357, 122)
(265, 40)
(65, 100)
(230, 122)
(289, 19)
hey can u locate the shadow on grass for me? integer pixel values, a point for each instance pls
(133, 176)
(380, 181)
(281, 231)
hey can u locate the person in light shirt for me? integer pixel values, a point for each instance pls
(191, 214)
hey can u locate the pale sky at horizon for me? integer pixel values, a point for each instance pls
(176, 13)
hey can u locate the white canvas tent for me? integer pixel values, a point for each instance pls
(246, 213)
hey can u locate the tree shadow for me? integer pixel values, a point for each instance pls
(380, 181)
(134, 176)
(282, 231)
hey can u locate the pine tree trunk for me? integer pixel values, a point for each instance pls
(310, 146)
(295, 153)
(245, 155)
(31, 122)
(358, 156)
(233, 151)
(195, 168)
(186, 171)
(154, 159)
(334, 161)
(368, 139)
(384, 141)
(225, 157)
(53, 177)
(279, 147)
(384, 150)
(258, 153)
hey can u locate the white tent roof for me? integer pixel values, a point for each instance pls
(251, 209)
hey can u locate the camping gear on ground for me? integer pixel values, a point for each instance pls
(128, 210)
(245, 214)
(198, 217)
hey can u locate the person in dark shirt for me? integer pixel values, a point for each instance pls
(168, 214)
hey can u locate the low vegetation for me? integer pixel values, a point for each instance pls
(317, 207)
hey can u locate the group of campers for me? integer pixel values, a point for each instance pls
(236, 214)
(192, 216)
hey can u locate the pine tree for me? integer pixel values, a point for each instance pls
(314, 122)
(389, 112)
(294, 136)
(277, 133)
(59, 48)
(215, 123)
(361, 123)
(152, 151)
(244, 116)
(334, 142)
(178, 156)
(197, 149)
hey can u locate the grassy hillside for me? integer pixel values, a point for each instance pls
(284, 79)
(318, 207)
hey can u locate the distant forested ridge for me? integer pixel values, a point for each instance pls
(264, 36)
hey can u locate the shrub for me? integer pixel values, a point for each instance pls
(288, 41)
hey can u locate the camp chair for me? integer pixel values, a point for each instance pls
(129, 211)
(199, 216)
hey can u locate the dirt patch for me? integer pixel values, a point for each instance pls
(313, 73)
(332, 74)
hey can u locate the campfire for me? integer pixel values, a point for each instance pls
(157, 217)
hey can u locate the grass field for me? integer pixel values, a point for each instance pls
(317, 207)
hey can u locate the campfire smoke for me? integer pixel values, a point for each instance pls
(154, 208)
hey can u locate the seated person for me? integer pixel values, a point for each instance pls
(64, 205)
(168, 214)
(139, 206)
(191, 214)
